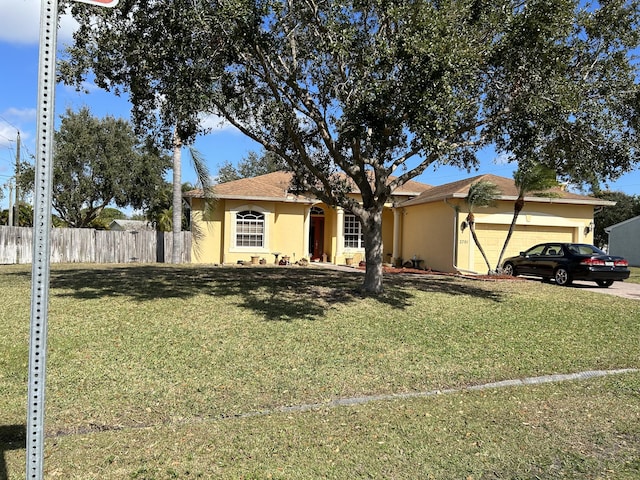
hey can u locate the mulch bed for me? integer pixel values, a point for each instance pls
(416, 271)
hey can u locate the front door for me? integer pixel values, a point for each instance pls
(316, 238)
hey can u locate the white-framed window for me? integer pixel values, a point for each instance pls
(353, 234)
(250, 229)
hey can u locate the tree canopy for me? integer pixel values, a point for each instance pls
(98, 162)
(159, 211)
(372, 93)
(25, 215)
(253, 165)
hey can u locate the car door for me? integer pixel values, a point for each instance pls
(530, 261)
(551, 257)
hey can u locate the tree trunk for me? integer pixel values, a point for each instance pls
(176, 254)
(517, 208)
(372, 229)
(472, 228)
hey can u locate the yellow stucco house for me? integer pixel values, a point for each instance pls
(432, 225)
(259, 218)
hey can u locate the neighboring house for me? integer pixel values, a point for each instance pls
(624, 240)
(134, 225)
(260, 217)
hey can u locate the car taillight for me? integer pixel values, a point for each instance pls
(622, 263)
(592, 261)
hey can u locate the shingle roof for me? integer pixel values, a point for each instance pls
(275, 186)
(126, 224)
(508, 190)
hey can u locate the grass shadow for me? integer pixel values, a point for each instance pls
(450, 285)
(277, 293)
(12, 437)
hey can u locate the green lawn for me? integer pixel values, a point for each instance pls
(635, 275)
(161, 372)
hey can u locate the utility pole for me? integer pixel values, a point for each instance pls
(16, 215)
(10, 211)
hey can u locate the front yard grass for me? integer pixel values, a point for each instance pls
(635, 275)
(161, 372)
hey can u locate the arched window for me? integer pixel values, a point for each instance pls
(249, 229)
(353, 234)
(317, 211)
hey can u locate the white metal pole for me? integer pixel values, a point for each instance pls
(41, 240)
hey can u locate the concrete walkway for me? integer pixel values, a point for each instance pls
(519, 382)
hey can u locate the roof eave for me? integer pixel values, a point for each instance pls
(512, 198)
(296, 199)
(570, 201)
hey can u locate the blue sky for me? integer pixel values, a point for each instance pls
(19, 33)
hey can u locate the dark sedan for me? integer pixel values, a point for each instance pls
(566, 262)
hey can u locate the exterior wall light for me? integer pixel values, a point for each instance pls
(589, 228)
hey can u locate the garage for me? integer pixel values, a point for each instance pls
(556, 215)
(492, 238)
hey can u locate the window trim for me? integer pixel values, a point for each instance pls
(353, 220)
(234, 247)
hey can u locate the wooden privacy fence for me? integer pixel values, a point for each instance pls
(85, 245)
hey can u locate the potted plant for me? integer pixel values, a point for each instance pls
(348, 257)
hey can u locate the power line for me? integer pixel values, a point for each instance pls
(8, 122)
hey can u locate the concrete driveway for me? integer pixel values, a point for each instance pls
(620, 289)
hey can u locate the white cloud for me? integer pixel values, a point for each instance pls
(20, 115)
(85, 87)
(503, 159)
(13, 120)
(215, 123)
(7, 134)
(20, 22)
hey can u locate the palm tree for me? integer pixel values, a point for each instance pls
(176, 254)
(528, 179)
(481, 194)
(204, 178)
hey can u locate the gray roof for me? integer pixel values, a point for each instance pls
(124, 224)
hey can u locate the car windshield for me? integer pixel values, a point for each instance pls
(537, 250)
(584, 249)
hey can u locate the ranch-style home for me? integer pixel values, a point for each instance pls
(260, 219)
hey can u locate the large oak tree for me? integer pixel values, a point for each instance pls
(98, 162)
(371, 93)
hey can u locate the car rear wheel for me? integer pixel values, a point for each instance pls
(604, 283)
(562, 277)
(509, 269)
